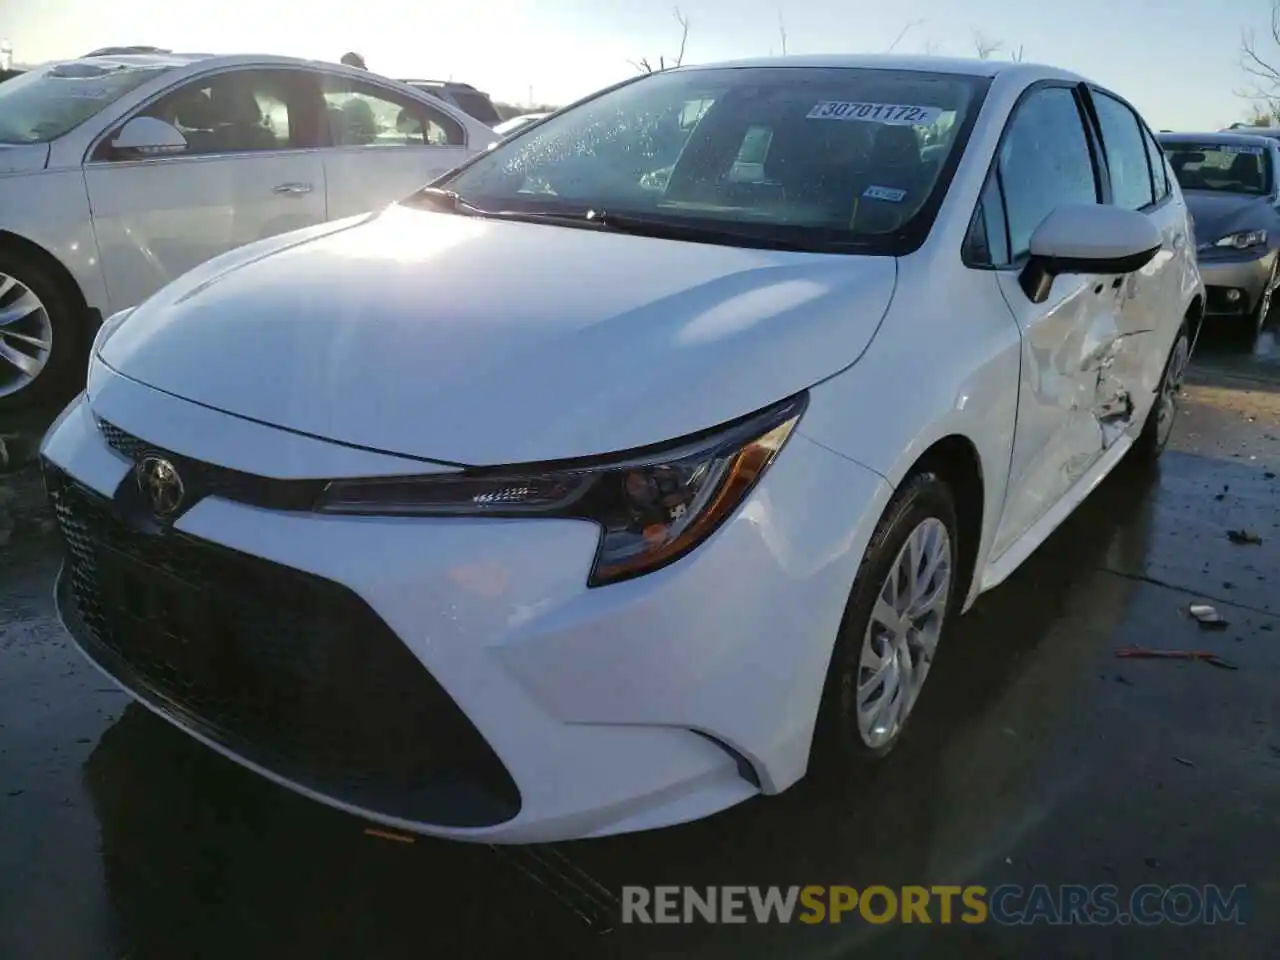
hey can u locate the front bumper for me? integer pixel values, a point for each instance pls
(1245, 273)
(455, 676)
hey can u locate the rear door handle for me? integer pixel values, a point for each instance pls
(292, 189)
(1179, 241)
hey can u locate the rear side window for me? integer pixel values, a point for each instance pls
(1044, 162)
(1126, 153)
(1159, 170)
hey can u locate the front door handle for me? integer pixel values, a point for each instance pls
(1179, 241)
(292, 189)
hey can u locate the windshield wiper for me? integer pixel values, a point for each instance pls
(667, 229)
(449, 200)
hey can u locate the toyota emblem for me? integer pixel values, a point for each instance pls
(159, 482)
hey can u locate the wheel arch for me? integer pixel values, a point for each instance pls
(33, 251)
(955, 459)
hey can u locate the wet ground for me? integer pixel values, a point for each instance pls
(1038, 757)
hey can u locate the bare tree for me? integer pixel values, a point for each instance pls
(985, 46)
(782, 32)
(1016, 55)
(932, 47)
(1260, 65)
(907, 28)
(644, 65)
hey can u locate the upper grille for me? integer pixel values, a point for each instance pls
(291, 671)
(209, 480)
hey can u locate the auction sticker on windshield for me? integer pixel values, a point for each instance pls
(904, 114)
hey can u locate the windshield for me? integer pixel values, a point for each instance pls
(794, 152)
(42, 105)
(1225, 167)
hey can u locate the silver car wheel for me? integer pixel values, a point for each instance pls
(1171, 389)
(26, 336)
(902, 635)
(1264, 305)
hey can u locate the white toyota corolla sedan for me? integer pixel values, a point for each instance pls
(561, 500)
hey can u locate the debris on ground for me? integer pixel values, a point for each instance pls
(1208, 616)
(1145, 653)
(388, 835)
(1184, 761)
(1243, 536)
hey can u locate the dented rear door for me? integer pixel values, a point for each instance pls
(1150, 312)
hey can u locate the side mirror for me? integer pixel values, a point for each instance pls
(150, 137)
(1087, 238)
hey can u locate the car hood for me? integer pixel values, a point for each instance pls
(23, 157)
(1217, 214)
(481, 342)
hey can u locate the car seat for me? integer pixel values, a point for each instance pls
(895, 181)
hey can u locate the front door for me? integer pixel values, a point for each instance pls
(1046, 161)
(385, 145)
(246, 174)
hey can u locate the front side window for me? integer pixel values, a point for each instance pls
(845, 155)
(239, 111)
(43, 104)
(1220, 166)
(1045, 162)
(362, 115)
(1126, 153)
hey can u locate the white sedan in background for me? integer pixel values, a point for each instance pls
(682, 506)
(507, 127)
(120, 173)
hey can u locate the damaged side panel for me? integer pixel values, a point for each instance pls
(1077, 391)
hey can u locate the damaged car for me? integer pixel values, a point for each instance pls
(679, 510)
(1231, 187)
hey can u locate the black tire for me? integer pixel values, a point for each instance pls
(65, 363)
(1155, 432)
(838, 742)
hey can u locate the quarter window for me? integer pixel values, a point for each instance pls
(1126, 153)
(1044, 162)
(365, 115)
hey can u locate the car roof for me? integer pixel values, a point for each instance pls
(892, 61)
(217, 60)
(454, 84)
(1220, 136)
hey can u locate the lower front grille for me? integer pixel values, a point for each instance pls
(290, 671)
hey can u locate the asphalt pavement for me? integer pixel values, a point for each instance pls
(1038, 757)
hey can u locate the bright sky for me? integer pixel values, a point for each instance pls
(1177, 61)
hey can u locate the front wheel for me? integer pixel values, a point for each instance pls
(897, 611)
(1266, 299)
(40, 333)
(1164, 411)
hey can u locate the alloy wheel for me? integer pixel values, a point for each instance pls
(26, 336)
(1264, 305)
(902, 634)
(1171, 389)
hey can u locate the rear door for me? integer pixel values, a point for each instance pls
(1151, 312)
(250, 170)
(1048, 159)
(384, 144)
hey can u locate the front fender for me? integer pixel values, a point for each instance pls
(939, 367)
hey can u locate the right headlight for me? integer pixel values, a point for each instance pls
(109, 327)
(653, 506)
